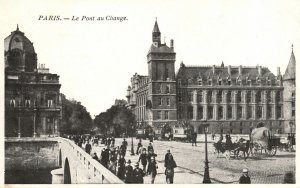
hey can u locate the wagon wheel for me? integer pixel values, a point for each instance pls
(271, 151)
(227, 154)
(255, 151)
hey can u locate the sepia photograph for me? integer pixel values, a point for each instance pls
(149, 92)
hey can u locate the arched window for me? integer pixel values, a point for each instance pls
(219, 96)
(209, 96)
(220, 112)
(229, 97)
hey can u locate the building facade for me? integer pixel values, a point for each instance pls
(231, 98)
(32, 94)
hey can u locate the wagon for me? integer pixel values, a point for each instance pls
(263, 142)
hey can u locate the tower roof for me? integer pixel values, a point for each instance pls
(290, 72)
(155, 28)
(17, 40)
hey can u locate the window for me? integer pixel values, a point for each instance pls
(229, 112)
(190, 82)
(279, 96)
(158, 114)
(168, 101)
(279, 111)
(200, 82)
(190, 96)
(249, 112)
(12, 103)
(167, 73)
(269, 96)
(190, 112)
(209, 96)
(179, 112)
(209, 82)
(259, 112)
(200, 112)
(229, 97)
(293, 104)
(220, 112)
(179, 82)
(49, 103)
(269, 112)
(159, 101)
(168, 89)
(219, 96)
(199, 97)
(258, 97)
(166, 114)
(239, 112)
(27, 102)
(210, 111)
(293, 113)
(248, 96)
(220, 82)
(180, 96)
(229, 82)
(239, 96)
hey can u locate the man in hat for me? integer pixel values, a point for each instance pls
(95, 157)
(150, 147)
(128, 172)
(245, 179)
(152, 166)
(138, 175)
(170, 164)
(143, 158)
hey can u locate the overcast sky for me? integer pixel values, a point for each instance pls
(96, 59)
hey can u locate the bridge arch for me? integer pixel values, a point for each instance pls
(67, 172)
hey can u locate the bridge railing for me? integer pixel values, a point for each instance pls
(99, 173)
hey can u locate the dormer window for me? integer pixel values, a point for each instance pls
(190, 81)
(229, 82)
(12, 103)
(27, 102)
(49, 103)
(209, 81)
(200, 82)
(220, 82)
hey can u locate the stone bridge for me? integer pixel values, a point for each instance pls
(69, 163)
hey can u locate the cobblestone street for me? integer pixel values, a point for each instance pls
(190, 162)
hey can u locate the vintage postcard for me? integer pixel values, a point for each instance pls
(149, 92)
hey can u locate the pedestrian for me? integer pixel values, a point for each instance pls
(128, 172)
(143, 158)
(289, 178)
(112, 140)
(150, 147)
(112, 166)
(95, 157)
(123, 149)
(138, 175)
(194, 139)
(125, 142)
(245, 179)
(108, 141)
(152, 169)
(138, 147)
(170, 164)
(88, 148)
(104, 157)
(121, 168)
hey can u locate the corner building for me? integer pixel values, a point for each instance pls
(32, 94)
(232, 98)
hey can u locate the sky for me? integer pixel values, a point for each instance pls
(96, 59)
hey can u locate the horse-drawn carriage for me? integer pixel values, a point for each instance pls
(262, 141)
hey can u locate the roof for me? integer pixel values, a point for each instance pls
(290, 72)
(186, 72)
(156, 28)
(162, 48)
(17, 40)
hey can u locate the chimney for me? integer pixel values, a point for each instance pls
(214, 69)
(172, 44)
(278, 71)
(240, 70)
(259, 70)
(229, 69)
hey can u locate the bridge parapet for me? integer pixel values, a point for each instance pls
(83, 168)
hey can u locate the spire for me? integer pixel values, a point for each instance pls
(156, 34)
(290, 72)
(17, 27)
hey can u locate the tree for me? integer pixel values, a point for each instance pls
(117, 118)
(75, 118)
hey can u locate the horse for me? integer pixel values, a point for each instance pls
(244, 147)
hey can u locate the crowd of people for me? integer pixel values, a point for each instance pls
(113, 158)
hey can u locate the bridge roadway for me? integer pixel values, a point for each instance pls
(190, 161)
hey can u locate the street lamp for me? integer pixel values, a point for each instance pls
(132, 148)
(206, 178)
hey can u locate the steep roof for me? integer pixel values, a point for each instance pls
(162, 48)
(186, 72)
(290, 72)
(155, 28)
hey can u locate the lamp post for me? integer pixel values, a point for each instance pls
(206, 178)
(132, 148)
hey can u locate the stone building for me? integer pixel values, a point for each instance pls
(232, 98)
(32, 97)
